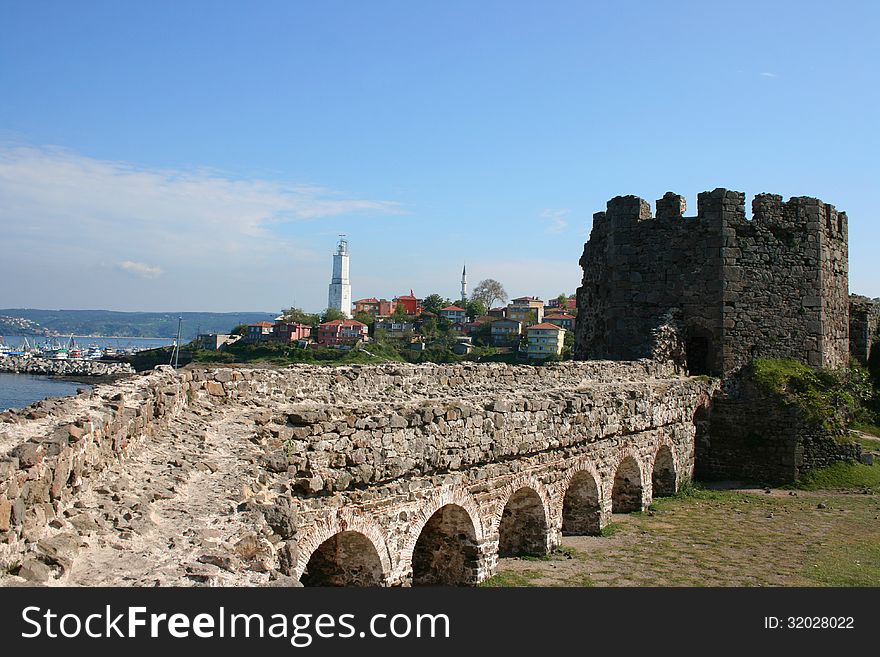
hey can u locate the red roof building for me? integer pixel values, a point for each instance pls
(341, 331)
(562, 320)
(258, 332)
(410, 303)
(369, 306)
(290, 331)
(454, 315)
(567, 304)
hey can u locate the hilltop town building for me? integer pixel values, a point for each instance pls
(339, 297)
(528, 310)
(562, 320)
(409, 302)
(290, 331)
(213, 341)
(258, 332)
(773, 286)
(567, 304)
(506, 332)
(341, 332)
(454, 314)
(544, 340)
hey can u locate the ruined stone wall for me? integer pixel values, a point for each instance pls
(405, 461)
(773, 286)
(864, 326)
(328, 449)
(754, 436)
(53, 449)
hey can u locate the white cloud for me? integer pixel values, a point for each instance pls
(767, 74)
(555, 219)
(140, 269)
(216, 238)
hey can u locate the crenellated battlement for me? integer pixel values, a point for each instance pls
(774, 283)
(725, 208)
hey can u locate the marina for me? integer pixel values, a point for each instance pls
(77, 347)
(33, 368)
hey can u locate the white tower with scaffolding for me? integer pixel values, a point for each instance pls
(340, 288)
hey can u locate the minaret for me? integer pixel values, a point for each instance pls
(464, 283)
(340, 289)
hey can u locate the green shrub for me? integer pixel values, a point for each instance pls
(833, 399)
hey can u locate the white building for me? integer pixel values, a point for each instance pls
(340, 288)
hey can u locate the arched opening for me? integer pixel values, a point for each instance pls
(446, 552)
(581, 513)
(697, 354)
(344, 559)
(626, 496)
(663, 482)
(523, 527)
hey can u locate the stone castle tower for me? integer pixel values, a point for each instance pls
(773, 286)
(339, 297)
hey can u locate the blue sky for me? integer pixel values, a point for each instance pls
(204, 155)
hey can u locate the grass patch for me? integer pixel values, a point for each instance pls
(868, 428)
(507, 578)
(842, 476)
(730, 538)
(866, 441)
(559, 552)
(690, 491)
(565, 551)
(852, 560)
(610, 529)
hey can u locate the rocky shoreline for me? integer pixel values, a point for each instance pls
(64, 368)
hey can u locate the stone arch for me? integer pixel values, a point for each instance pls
(627, 491)
(582, 503)
(344, 521)
(345, 559)
(664, 474)
(523, 528)
(455, 497)
(446, 552)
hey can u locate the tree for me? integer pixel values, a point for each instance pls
(488, 291)
(399, 315)
(475, 308)
(434, 302)
(298, 316)
(563, 300)
(241, 329)
(429, 327)
(365, 318)
(331, 314)
(568, 344)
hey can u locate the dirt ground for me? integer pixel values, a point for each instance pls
(720, 538)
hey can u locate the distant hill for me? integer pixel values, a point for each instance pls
(123, 324)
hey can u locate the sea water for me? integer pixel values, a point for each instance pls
(19, 390)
